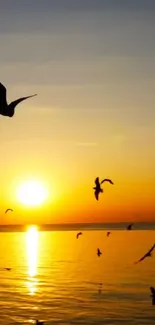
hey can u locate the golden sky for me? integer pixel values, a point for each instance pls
(92, 66)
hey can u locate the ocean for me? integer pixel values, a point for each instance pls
(59, 279)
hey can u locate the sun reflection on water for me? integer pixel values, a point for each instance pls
(32, 257)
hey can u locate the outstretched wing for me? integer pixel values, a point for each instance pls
(146, 255)
(17, 101)
(107, 180)
(97, 181)
(151, 249)
(3, 101)
(8, 210)
(96, 194)
(152, 291)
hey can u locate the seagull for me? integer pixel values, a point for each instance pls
(39, 323)
(108, 233)
(153, 295)
(99, 252)
(8, 210)
(8, 268)
(5, 109)
(98, 188)
(148, 254)
(79, 233)
(129, 227)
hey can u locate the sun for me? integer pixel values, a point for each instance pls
(32, 193)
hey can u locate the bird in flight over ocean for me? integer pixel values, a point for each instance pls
(8, 268)
(8, 210)
(79, 233)
(129, 227)
(108, 233)
(98, 188)
(153, 295)
(99, 252)
(148, 254)
(5, 109)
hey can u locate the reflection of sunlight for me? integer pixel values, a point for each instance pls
(32, 250)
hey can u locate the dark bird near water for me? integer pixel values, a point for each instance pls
(98, 188)
(129, 227)
(5, 109)
(39, 323)
(79, 233)
(108, 233)
(148, 254)
(8, 210)
(153, 295)
(99, 252)
(8, 268)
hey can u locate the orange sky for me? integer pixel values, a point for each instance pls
(94, 114)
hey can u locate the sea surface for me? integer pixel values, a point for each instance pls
(59, 279)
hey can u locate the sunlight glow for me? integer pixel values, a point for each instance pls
(32, 193)
(32, 250)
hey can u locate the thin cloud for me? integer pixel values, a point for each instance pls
(87, 144)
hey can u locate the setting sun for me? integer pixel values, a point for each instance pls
(32, 193)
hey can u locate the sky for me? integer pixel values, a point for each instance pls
(91, 64)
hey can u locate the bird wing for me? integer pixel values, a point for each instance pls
(17, 101)
(151, 249)
(152, 291)
(107, 180)
(96, 195)
(97, 181)
(142, 258)
(8, 210)
(79, 233)
(2, 95)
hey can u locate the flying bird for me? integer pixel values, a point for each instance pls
(148, 254)
(98, 188)
(8, 268)
(153, 295)
(99, 252)
(5, 109)
(108, 233)
(129, 227)
(79, 233)
(8, 210)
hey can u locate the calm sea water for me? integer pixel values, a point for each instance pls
(56, 278)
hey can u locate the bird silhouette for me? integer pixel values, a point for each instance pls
(39, 323)
(129, 227)
(98, 188)
(99, 252)
(79, 233)
(148, 254)
(153, 295)
(108, 233)
(8, 268)
(5, 109)
(8, 210)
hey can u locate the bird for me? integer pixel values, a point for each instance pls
(99, 252)
(98, 188)
(8, 268)
(79, 233)
(5, 109)
(148, 254)
(153, 295)
(39, 323)
(129, 227)
(8, 210)
(108, 233)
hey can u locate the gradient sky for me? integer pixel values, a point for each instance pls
(92, 65)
